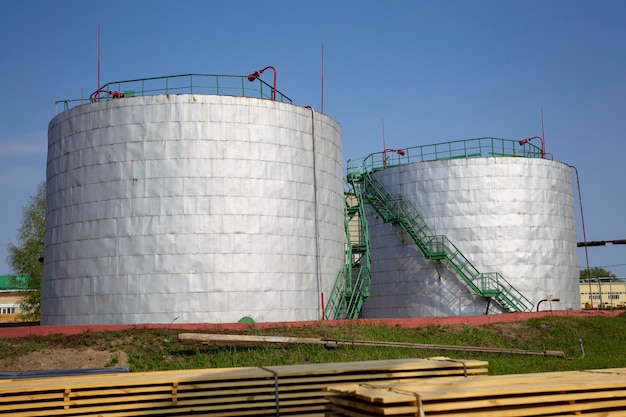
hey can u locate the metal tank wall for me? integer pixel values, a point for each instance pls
(194, 208)
(510, 215)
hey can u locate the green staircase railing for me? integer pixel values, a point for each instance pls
(437, 247)
(397, 211)
(352, 287)
(204, 84)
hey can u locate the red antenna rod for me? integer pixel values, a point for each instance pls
(322, 77)
(384, 144)
(98, 93)
(383, 122)
(542, 131)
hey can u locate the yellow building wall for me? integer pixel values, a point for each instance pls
(604, 295)
(354, 224)
(9, 307)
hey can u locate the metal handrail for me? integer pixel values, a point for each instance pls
(209, 84)
(349, 293)
(467, 148)
(432, 246)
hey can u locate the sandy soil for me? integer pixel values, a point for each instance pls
(66, 358)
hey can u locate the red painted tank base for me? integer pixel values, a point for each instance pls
(13, 332)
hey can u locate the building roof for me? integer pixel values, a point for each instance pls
(12, 282)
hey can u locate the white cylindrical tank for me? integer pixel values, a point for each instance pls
(509, 215)
(195, 208)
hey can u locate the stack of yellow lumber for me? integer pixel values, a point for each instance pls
(587, 393)
(275, 390)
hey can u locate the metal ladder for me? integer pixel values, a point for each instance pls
(352, 287)
(438, 247)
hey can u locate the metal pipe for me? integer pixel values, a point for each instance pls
(582, 221)
(322, 77)
(98, 93)
(258, 73)
(317, 223)
(400, 152)
(543, 145)
(547, 299)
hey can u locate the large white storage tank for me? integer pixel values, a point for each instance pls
(511, 215)
(195, 208)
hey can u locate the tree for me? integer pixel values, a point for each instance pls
(596, 273)
(25, 257)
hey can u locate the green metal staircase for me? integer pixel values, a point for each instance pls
(437, 247)
(352, 286)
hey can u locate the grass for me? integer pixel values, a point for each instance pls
(603, 338)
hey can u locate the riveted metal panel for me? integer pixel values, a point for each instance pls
(510, 215)
(195, 207)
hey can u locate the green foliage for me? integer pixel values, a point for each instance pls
(596, 272)
(24, 257)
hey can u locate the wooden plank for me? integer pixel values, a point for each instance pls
(135, 379)
(229, 391)
(410, 364)
(526, 400)
(613, 413)
(537, 394)
(213, 339)
(458, 390)
(339, 410)
(327, 380)
(461, 391)
(408, 407)
(607, 371)
(256, 407)
(571, 409)
(530, 378)
(481, 349)
(245, 340)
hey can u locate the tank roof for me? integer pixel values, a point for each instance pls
(210, 84)
(12, 282)
(467, 148)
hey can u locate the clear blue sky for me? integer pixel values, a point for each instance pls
(435, 70)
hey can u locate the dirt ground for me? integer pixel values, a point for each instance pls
(74, 353)
(64, 358)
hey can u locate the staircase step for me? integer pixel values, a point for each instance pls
(358, 249)
(436, 256)
(405, 214)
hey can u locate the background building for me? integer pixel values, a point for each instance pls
(11, 288)
(603, 294)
